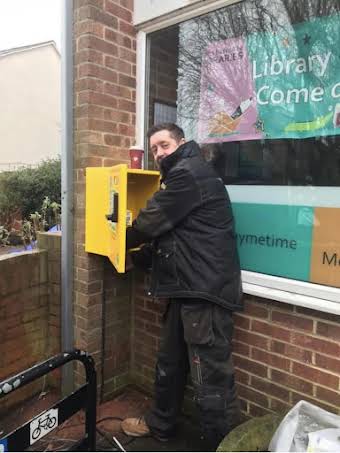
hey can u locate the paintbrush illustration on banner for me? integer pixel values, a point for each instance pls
(243, 107)
(222, 123)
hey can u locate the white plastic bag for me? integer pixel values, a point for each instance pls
(302, 419)
(325, 440)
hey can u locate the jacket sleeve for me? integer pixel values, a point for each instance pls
(167, 207)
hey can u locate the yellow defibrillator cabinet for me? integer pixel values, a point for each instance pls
(114, 196)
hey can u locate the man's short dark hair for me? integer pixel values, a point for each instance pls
(176, 132)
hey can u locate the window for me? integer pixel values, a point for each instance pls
(256, 84)
(164, 113)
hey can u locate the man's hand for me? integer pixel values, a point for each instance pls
(139, 258)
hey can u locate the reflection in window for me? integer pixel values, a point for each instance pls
(305, 162)
(176, 76)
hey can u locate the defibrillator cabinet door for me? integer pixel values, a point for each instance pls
(105, 212)
(117, 216)
(114, 197)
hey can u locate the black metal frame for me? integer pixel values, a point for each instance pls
(83, 398)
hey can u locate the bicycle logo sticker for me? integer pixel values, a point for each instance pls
(43, 424)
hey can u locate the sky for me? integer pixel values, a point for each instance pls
(25, 22)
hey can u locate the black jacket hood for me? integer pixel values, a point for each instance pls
(188, 149)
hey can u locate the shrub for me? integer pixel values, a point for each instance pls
(23, 191)
(4, 234)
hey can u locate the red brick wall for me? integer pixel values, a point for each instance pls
(23, 318)
(117, 332)
(29, 315)
(104, 128)
(147, 322)
(282, 353)
(51, 242)
(285, 353)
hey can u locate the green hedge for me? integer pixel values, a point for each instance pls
(23, 191)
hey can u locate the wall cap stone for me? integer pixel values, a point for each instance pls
(50, 233)
(8, 256)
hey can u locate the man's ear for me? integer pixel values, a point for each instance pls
(182, 141)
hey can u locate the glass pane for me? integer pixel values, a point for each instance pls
(256, 84)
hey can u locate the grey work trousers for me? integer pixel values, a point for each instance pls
(197, 337)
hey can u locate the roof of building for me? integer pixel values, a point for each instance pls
(6, 52)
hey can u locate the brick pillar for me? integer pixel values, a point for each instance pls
(104, 128)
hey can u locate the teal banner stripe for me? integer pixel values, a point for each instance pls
(275, 239)
(296, 76)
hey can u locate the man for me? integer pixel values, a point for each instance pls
(188, 230)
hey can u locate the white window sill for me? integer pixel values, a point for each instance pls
(315, 297)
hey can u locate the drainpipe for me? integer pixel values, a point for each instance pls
(67, 191)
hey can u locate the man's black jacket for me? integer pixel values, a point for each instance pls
(190, 226)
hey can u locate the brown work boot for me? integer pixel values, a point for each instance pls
(135, 427)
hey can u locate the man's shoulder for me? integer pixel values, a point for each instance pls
(192, 164)
(181, 168)
(188, 170)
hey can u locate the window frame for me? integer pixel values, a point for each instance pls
(293, 292)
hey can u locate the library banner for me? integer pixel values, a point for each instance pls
(272, 85)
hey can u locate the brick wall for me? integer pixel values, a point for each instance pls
(285, 353)
(29, 315)
(104, 129)
(117, 333)
(51, 243)
(147, 322)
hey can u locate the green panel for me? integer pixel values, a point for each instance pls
(296, 74)
(275, 239)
